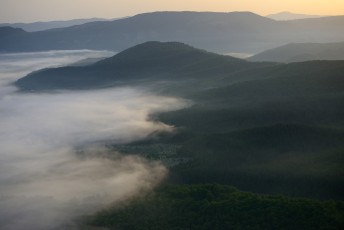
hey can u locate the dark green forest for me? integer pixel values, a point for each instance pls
(212, 206)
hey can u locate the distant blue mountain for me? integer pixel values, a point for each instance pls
(283, 16)
(38, 26)
(236, 32)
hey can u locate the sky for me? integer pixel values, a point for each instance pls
(48, 10)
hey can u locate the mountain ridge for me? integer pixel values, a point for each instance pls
(45, 25)
(217, 32)
(285, 15)
(297, 52)
(157, 60)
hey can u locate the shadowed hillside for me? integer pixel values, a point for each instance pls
(299, 52)
(151, 61)
(219, 207)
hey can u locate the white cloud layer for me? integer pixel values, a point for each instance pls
(44, 182)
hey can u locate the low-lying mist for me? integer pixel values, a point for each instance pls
(53, 165)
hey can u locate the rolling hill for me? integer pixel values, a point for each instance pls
(150, 61)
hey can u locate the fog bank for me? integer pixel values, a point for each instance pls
(53, 166)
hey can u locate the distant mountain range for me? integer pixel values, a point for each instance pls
(38, 26)
(297, 52)
(284, 16)
(236, 32)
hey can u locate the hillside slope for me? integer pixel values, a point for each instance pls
(298, 52)
(150, 61)
(219, 207)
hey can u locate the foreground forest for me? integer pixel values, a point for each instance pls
(213, 206)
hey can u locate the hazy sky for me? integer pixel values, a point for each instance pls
(45, 10)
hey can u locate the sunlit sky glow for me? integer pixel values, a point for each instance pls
(48, 10)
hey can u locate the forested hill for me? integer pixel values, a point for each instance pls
(147, 61)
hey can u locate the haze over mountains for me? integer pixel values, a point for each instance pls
(297, 52)
(38, 26)
(284, 16)
(242, 32)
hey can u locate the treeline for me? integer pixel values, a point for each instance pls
(213, 206)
